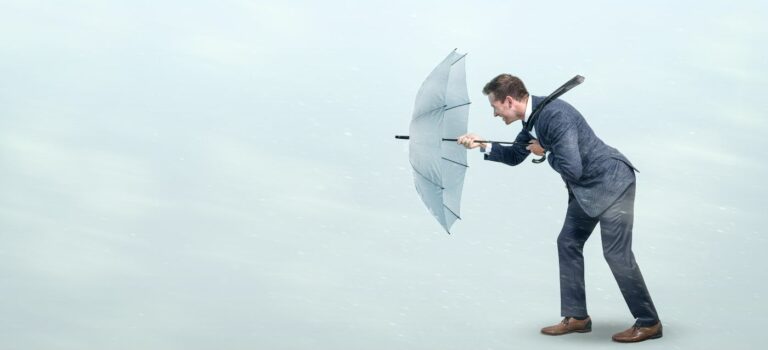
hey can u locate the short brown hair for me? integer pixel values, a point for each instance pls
(506, 85)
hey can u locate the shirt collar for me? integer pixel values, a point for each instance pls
(528, 108)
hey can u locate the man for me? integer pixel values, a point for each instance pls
(601, 189)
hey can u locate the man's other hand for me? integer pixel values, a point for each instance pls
(535, 147)
(468, 141)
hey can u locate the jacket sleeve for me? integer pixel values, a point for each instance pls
(564, 147)
(511, 155)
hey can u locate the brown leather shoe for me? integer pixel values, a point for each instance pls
(569, 325)
(636, 334)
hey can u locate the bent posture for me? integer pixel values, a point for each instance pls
(601, 189)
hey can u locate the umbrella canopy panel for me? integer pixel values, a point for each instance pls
(441, 111)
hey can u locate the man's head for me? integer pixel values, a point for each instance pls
(508, 97)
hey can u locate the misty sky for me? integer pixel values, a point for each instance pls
(223, 174)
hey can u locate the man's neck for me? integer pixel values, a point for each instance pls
(526, 105)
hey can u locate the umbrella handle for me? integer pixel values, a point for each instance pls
(540, 160)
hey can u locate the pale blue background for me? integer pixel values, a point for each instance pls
(223, 174)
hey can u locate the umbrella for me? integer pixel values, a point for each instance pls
(441, 110)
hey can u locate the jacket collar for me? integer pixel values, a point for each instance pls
(536, 101)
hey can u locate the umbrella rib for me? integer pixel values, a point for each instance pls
(459, 59)
(429, 111)
(454, 214)
(426, 178)
(456, 106)
(453, 161)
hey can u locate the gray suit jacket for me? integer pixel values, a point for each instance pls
(594, 172)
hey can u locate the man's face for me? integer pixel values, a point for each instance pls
(505, 109)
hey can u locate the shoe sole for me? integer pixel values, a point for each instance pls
(655, 336)
(569, 332)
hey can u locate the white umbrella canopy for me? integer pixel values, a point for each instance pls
(441, 111)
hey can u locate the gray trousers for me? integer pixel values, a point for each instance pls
(616, 233)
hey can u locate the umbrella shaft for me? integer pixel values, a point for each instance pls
(406, 137)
